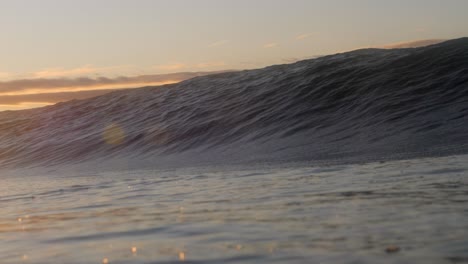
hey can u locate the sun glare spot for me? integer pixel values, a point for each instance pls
(181, 256)
(113, 134)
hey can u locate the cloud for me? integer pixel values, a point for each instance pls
(58, 72)
(412, 44)
(4, 75)
(54, 85)
(34, 86)
(49, 98)
(80, 71)
(302, 36)
(218, 43)
(401, 45)
(270, 45)
(171, 67)
(28, 93)
(22, 105)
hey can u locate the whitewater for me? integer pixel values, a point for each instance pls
(357, 157)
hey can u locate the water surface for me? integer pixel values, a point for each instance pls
(263, 214)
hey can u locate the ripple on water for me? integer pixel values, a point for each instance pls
(350, 214)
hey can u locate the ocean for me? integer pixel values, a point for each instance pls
(290, 213)
(358, 157)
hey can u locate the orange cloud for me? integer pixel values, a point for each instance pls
(78, 88)
(80, 71)
(302, 36)
(23, 105)
(48, 98)
(270, 45)
(4, 75)
(28, 93)
(401, 45)
(28, 86)
(412, 44)
(57, 72)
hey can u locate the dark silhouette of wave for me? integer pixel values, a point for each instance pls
(363, 105)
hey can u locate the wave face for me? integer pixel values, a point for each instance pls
(366, 104)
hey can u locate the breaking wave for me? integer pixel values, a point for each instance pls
(362, 105)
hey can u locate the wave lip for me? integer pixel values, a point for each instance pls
(363, 104)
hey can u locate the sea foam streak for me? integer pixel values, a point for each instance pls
(360, 105)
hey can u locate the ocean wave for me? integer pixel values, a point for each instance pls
(364, 104)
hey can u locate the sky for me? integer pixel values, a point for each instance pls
(55, 50)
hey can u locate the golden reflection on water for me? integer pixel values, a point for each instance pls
(181, 216)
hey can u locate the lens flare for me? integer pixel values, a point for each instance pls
(181, 256)
(113, 134)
